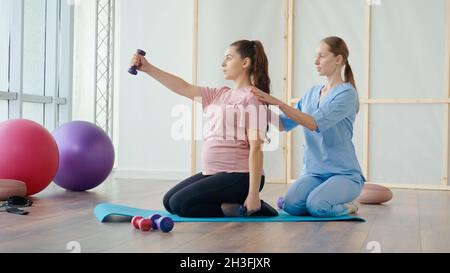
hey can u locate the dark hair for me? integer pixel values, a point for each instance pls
(339, 47)
(259, 69)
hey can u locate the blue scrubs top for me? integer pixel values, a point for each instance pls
(329, 150)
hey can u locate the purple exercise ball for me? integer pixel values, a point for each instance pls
(86, 156)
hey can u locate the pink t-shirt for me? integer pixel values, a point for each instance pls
(227, 115)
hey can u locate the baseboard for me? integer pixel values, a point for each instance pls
(151, 174)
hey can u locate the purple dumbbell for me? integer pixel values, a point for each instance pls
(133, 69)
(280, 203)
(154, 217)
(165, 224)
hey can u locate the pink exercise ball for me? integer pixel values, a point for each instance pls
(28, 153)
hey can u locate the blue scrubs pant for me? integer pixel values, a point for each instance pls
(321, 196)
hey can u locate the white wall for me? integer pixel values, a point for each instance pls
(408, 49)
(163, 28)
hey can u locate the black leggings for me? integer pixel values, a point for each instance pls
(203, 195)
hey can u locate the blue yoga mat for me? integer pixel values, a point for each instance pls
(104, 210)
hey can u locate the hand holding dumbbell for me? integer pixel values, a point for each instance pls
(133, 69)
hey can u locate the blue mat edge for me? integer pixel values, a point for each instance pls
(104, 210)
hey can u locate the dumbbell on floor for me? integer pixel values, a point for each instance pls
(163, 223)
(141, 223)
(155, 222)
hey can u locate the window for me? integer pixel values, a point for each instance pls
(36, 40)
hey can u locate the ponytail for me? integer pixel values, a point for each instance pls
(260, 71)
(348, 77)
(260, 74)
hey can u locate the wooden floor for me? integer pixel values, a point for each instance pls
(414, 221)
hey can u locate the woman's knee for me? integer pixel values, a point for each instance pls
(175, 204)
(166, 203)
(318, 207)
(295, 207)
(180, 204)
(295, 199)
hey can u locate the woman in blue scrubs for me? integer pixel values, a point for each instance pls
(331, 177)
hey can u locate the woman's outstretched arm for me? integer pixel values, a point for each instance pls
(172, 82)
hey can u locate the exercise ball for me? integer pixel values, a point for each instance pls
(10, 187)
(28, 153)
(374, 194)
(86, 156)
